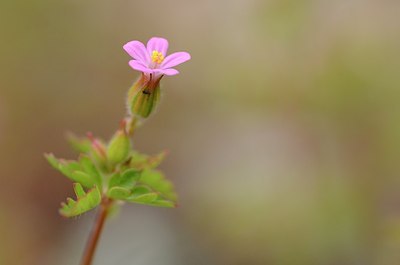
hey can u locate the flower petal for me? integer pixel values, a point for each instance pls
(175, 59)
(157, 44)
(169, 71)
(137, 50)
(139, 66)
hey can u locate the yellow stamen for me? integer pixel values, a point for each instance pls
(157, 57)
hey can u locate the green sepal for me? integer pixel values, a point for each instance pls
(144, 96)
(144, 102)
(85, 201)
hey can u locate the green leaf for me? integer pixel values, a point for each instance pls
(129, 178)
(140, 190)
(144, 195)
(77, 172)
(118, 193)
(144, 198)
(158, 183)
(141, 161)
(52, 160)
(79, 144)
(83, 178)
(120, 185)
(114, 180)
(88, 166)
(153, 189)
(85, 201)
(163, 203)
(79, 191)
(145, 187)
(126, 180)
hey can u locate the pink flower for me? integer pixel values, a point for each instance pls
(152, 60)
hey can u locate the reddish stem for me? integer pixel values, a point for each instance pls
(93, 239)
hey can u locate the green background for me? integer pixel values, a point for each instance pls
(283, 130)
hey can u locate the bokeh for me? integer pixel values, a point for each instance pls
(283, 130)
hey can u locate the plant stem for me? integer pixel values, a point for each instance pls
(93, 239)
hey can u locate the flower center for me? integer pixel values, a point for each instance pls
(157, 57)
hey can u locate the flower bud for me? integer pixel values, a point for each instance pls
(144, 95)
(119, 146)
(98, 150)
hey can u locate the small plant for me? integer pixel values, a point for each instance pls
(107, 173)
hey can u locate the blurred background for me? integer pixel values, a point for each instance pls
(283, 130)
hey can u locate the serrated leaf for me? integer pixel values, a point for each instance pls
(146, 187)
(144, 198)
(126, 180)
(82, 172)
(118, 193)
(140, 190)
(79, 144)
(158, 183)
(85, 201)
(153, 189)
(114, 180)
(52, 160)
(83, 178)
(71, 202)
(88, 166)
(79, 191)
(141, 161)
(129, 178)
